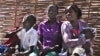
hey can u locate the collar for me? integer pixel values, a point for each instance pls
(56, 22)
(31, 29)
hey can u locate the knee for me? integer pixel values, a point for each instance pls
(33, 54)
(51, 54)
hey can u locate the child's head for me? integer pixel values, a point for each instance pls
(52, 11)
(29, 21)
(74, 12)
(89, 32)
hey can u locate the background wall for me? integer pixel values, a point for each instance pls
(12, 12)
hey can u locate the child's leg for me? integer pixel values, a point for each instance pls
(35, 53)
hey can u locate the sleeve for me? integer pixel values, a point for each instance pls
(67, 41)
(33, 39)
(64, 34)
(85, 24)
(39, 30)
(19, 34)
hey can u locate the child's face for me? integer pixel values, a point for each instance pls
(52, 12)
(26, 24)
(72, 15)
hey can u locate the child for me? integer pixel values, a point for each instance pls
(71, 29)
(50, 34)
(28, 37)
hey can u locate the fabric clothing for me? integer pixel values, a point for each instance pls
(35, 52)
(67, 34)
(80, 51)
(50, 33)
(52, 53)
(28, 38)
(3, 48)
(13, 38)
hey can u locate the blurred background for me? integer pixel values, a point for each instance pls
(12, 12)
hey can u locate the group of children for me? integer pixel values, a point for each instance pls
(53, 36)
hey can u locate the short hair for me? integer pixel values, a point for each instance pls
(77, 10)
(30, 18)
